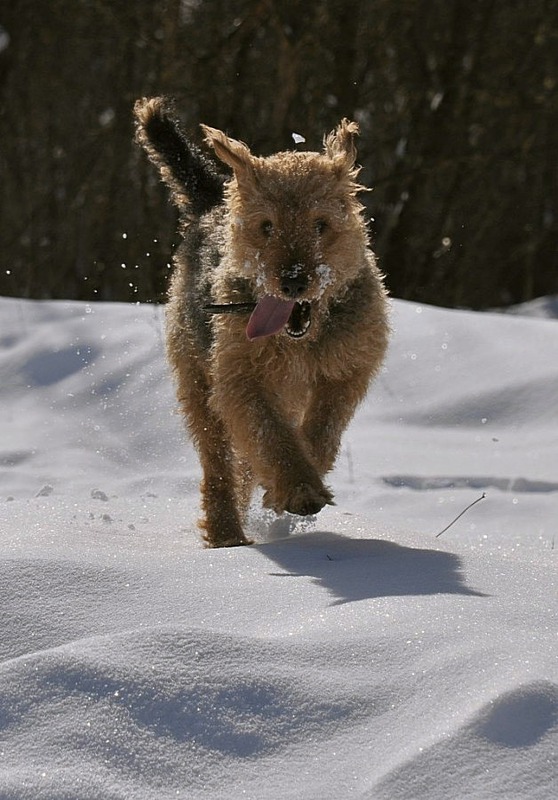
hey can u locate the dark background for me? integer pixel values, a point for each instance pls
(457, 101)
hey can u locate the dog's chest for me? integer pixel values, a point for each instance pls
(289, 379)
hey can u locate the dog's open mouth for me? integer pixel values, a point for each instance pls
(299, 322)
(269, 316)
(273, 314)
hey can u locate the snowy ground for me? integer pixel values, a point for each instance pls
(359, 656)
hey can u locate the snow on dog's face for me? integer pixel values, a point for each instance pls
(295, 225)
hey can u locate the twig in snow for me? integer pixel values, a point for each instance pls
(483, 495)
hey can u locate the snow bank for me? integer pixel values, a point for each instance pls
(356, 657)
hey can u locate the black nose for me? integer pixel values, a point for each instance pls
(294, 282)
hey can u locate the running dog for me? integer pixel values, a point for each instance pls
(277, 317)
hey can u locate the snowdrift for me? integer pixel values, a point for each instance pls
(357, 655)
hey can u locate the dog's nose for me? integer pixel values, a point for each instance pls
(294, 282)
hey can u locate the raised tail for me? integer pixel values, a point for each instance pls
(196, 185)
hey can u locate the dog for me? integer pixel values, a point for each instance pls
(277, 317)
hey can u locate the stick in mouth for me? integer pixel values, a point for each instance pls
(269, 316)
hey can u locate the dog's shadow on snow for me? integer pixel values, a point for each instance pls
(359, 569)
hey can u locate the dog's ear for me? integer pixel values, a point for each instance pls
(230, 151)
(339, 145)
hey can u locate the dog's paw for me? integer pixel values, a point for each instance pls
(220, 535)
(230, 541)
(303, 500)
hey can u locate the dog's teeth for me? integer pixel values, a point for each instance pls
(299, 333)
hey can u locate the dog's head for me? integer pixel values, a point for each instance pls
(296, 226)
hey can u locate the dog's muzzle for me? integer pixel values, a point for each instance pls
(294, 281)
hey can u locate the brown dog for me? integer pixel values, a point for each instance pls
(277, 314)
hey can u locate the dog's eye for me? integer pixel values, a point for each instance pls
(321, 226)
(266, 227)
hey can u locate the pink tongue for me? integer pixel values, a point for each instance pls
(269, 317)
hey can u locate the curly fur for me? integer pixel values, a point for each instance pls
(270, 411)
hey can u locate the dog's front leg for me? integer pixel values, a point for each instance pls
(221, 503)
(269, 443)
(222, 506)
(331, 408)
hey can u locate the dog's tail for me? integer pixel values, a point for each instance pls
(196, 185)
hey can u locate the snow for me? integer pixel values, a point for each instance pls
(358, 656)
